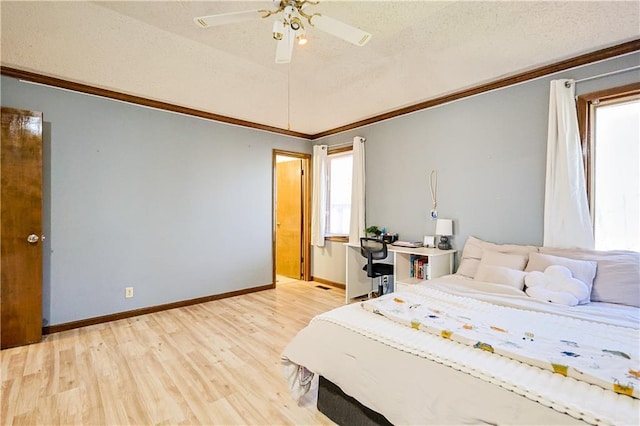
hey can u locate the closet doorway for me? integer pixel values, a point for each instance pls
(291, 215)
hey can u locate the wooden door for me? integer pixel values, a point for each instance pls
(21, 227)
(289, 218)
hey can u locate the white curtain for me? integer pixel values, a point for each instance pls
(567, 222)
(357, 223)
(319, 197)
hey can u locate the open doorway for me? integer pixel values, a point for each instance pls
(291, 216)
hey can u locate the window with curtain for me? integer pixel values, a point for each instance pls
(339, 176)
(610, 130)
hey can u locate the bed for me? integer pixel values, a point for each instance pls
(463, 350)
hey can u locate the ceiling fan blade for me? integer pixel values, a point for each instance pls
(340, 29)
(285, 47)
(227, 18)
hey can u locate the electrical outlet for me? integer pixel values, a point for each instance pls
(128, 292)
(385, 279)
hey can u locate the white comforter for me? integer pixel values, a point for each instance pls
(346, 344)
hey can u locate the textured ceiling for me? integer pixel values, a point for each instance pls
(420, 50)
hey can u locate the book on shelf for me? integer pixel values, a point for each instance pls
(419, 267)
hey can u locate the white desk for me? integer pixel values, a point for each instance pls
(358, 284)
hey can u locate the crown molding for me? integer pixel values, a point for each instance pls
(598, 55)
(139, 100)
(587, 58)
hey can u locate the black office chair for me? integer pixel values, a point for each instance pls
(374, 249)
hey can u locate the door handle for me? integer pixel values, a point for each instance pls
(33, 238)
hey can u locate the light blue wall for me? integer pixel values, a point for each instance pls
(489, 151)
(175, 206)
(180, 207)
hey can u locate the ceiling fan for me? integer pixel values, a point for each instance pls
(290, 26)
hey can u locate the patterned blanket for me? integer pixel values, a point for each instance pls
(596, 353)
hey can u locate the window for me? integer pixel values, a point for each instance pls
(339, 174)
(610, 129)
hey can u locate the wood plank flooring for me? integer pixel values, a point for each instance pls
(212, 363)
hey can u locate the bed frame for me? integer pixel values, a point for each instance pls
(344, 409)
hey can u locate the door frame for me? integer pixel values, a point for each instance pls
(305, 250)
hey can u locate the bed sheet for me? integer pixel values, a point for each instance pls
(503, 295)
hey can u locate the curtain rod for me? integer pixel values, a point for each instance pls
(568, 83)
(342, 145)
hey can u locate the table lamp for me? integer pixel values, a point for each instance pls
(444, 228)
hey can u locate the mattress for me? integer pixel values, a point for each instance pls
(415, 377)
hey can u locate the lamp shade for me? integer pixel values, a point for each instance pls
(444, 227)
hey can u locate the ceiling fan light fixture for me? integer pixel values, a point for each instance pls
(289, 28)
(301, 38)
(295, 23)
(278, 30)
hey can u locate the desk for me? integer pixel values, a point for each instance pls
(440, 262)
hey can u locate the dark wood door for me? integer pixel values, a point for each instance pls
(21, 227)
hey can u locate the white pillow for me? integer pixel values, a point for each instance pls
(512, 261)
(617, 278)
(556, 285)
(583, 270)
(474, 248)
(500, 275)
(468, 267)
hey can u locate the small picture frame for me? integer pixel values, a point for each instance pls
(429, 241)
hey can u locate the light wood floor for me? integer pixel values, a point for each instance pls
(213, 363)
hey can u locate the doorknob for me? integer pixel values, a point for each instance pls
(33, 238)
